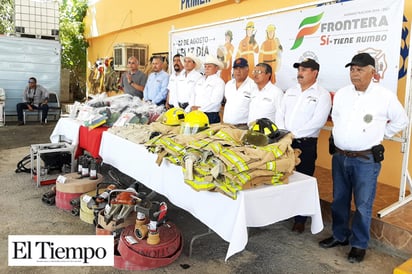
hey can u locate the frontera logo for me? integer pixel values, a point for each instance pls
(308, 26)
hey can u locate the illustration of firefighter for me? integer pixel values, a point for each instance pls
(270, 51)
(248, 46)
(225, 54)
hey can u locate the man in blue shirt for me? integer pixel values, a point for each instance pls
(155, 90)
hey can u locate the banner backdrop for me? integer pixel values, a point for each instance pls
(331, 34)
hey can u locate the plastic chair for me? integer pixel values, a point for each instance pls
(54, 106)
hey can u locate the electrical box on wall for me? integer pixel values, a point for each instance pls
(122, 52)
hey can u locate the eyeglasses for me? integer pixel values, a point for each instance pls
(258, 72)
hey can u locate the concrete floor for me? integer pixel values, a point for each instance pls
(270, 249)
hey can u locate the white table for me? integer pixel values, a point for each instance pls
(66, 129)
(228, 218)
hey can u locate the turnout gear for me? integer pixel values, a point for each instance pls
(195, 121)
(173, 117)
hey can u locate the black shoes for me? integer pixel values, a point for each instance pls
(298, 227)
(332, 242)
(356, 255)
(20, 123)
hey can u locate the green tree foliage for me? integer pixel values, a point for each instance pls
(74, 45)
(6, 16)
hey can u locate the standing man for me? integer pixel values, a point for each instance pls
(171, 86)
(266, 98)
(238, 93)
(186, 81)
(155, 90)
(209, 91)
(304, 111)
(362, 114)
(248, 46)
(133, 80)
(35, 97)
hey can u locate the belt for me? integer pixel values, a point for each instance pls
(183, 105)
(242, 126)
(305, 139)
(354, 154)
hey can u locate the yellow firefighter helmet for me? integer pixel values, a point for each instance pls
(173, 117)
(195, 121)
(250, 25)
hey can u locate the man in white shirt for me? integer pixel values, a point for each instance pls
(362, 114)
(304, 111)
(186, 81)
(171, 86)
(238, 94)
(209, 91)
(266, 98)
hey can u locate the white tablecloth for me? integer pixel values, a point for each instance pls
(66, 129)
(228, 218)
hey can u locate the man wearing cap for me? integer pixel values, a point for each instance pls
(363, 114)
(171, 86)
(209, 91)
(304, 111)
(155, 90)
(266, 97)
(186, 81)
(238, 93)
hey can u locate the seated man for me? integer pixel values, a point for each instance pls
(35, 97)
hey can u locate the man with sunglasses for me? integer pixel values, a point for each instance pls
(35, 98)
(133, 80)
(266, 98)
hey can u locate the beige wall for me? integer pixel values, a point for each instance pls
(109, 22)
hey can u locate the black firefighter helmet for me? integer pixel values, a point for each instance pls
(263, 132)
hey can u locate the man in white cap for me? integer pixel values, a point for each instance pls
(209, 91)
(186, 81)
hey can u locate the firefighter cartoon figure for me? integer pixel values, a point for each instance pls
(248, 46)
(225, 54)
(270, 51)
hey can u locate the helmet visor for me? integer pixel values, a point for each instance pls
(255, 138)
(188, 129)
